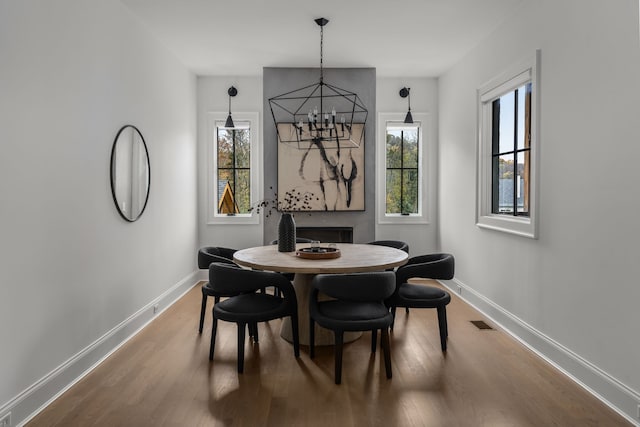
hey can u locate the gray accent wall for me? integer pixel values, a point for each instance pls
(359, 80)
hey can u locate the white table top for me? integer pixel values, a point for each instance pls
(354, 258)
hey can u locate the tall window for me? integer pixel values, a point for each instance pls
(511, 151)
(234, 168)
(404, 181)
(507, 150)
(402, 169)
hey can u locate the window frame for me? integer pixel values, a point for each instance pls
(527, 70)
(422, 121)
(213, 120)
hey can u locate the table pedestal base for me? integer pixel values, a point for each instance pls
(302, 285)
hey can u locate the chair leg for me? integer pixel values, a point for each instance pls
(214, 329)
(442, 324)
(393, 316)
(384, 343)
(241, 333)
(296, 334)
(406, 310)
(312, 336)
(338, 356)
(374, 338)
(202, 311)
(253, 331)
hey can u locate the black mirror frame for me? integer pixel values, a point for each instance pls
(113, 190)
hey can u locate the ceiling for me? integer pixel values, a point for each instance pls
(408, 38)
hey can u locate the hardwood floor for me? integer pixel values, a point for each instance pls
(163, 377)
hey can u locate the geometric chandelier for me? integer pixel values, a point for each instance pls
(320, 113)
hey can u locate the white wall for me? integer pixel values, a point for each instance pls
(212, 97)
(71, 269)
(573, 293)
(422, 238)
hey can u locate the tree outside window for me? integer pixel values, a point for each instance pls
(402, 170)
(233, 169)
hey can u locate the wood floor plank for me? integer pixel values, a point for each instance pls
(163, 377)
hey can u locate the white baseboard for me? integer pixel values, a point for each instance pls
(603, 386)
(38, 396)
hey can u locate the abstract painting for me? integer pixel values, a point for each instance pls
(332, 172)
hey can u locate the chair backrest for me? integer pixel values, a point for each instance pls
(298, 240)
(398, 244)
(373, 286)
(231, 278)
(209, 254)
(433, 266)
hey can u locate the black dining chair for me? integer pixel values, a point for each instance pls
(290, 276)
(358, 305)
(206, 256)
(398, 244)
(439, 266)
(298, 240)
(249, 307)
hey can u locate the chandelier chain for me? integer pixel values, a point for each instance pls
(321, 45)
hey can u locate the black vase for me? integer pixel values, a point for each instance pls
(286, 233)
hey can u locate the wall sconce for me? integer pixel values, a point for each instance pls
(404, 93)
(232, 92)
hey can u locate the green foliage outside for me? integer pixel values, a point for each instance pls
(234, 162)
(402, 171)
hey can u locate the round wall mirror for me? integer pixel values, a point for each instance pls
(130, 173)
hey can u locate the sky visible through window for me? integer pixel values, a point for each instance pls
(509, 163)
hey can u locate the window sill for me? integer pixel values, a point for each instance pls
(234, 219)
(403, 219)
(519, 226)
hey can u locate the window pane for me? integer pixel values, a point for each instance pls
(393, 149)
(507, 129)
(225, 148)
(522, 92)
(243, 147)
(410, 149)
(393, 191)
(527, 116)
(243, 187)
(503, 126)
(524, 116)
(503, 190)
(225, 182)
(402, 168)
(522, 183)
(410, 191)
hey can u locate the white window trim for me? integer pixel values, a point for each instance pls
(514, 77)
(424, 147)
(213, 217)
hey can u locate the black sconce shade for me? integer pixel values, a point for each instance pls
(232, 92)
(404, 93)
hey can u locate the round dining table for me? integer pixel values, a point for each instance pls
(353, 258)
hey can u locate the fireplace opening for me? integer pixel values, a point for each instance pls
(326, 234)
